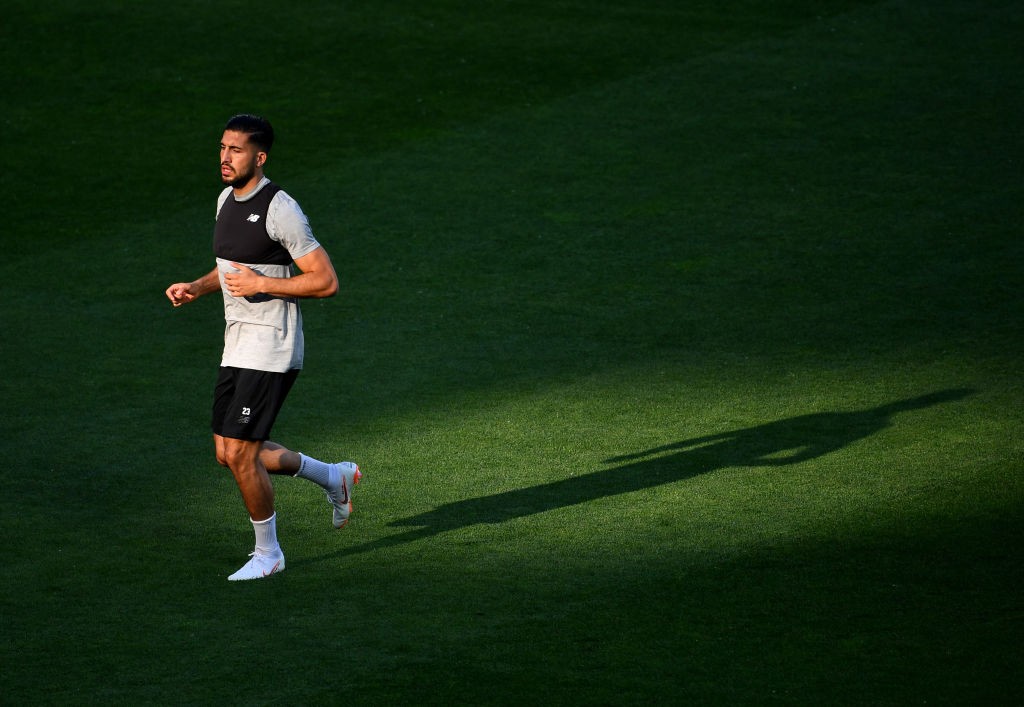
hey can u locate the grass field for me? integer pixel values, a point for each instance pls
(680, 344)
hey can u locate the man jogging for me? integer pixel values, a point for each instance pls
(260, 234)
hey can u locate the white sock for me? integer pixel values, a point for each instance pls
(317, 471)
(266, 535)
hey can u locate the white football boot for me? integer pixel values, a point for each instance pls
(341, 495)
(261, 565)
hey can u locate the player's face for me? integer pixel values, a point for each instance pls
(240, 160)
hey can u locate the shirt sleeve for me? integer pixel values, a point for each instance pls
(288, 225)
(221, 199)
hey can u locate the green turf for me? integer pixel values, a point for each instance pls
(680, 344)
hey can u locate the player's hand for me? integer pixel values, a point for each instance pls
(244, 283)
(180, 293)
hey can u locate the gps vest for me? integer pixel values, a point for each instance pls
(241, 231)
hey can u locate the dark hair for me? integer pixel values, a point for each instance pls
(259, 130)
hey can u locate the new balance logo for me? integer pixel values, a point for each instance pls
(253, 218)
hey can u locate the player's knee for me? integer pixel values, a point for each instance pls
(237, 457)
(219, 452)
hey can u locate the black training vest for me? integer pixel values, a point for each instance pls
(241, 231)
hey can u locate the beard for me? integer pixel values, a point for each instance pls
(240, 179)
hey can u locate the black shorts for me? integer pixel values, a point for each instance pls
(246, 402)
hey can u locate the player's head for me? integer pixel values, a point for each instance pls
(259, 130)
(243, 151)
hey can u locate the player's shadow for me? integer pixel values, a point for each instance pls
(774, 444)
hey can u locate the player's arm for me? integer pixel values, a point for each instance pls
(316, 279)
(184, 292)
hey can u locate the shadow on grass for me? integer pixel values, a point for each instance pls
(789, 441)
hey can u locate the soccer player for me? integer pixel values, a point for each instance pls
(260, 234)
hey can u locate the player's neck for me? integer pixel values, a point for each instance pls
(248, 187)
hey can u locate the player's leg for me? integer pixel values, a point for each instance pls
(242, 457)
(278, 459)
(245, 405)
(337, 480)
